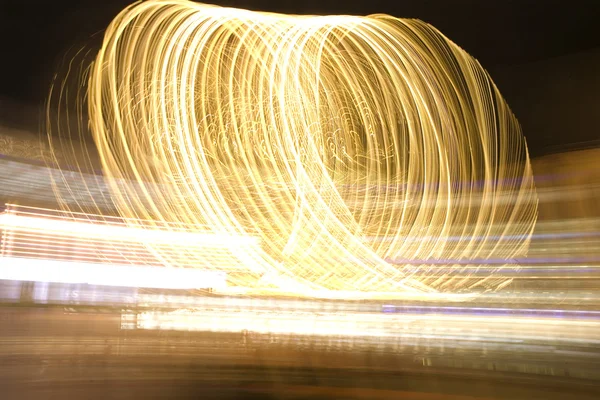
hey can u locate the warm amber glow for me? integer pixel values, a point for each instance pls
(360, 152)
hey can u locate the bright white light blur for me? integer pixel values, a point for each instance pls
(39, 270)
(346, 323)
(121, 231)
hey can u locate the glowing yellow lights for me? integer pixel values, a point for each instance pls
(336, 141)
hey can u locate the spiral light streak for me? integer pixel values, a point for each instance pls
(334, 140)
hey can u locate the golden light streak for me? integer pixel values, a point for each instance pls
(335, 324)
(334, 140)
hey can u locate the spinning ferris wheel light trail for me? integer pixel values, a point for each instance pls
(346, 146)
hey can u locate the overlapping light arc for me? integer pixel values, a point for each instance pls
(361, 151)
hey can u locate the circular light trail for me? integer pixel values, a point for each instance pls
(362, 152)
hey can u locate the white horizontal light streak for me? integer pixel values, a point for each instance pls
(51, 246)
(120, 232)
(439, 326)
(313, 133)
(44, 270)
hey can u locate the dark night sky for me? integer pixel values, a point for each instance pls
(36, 35)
